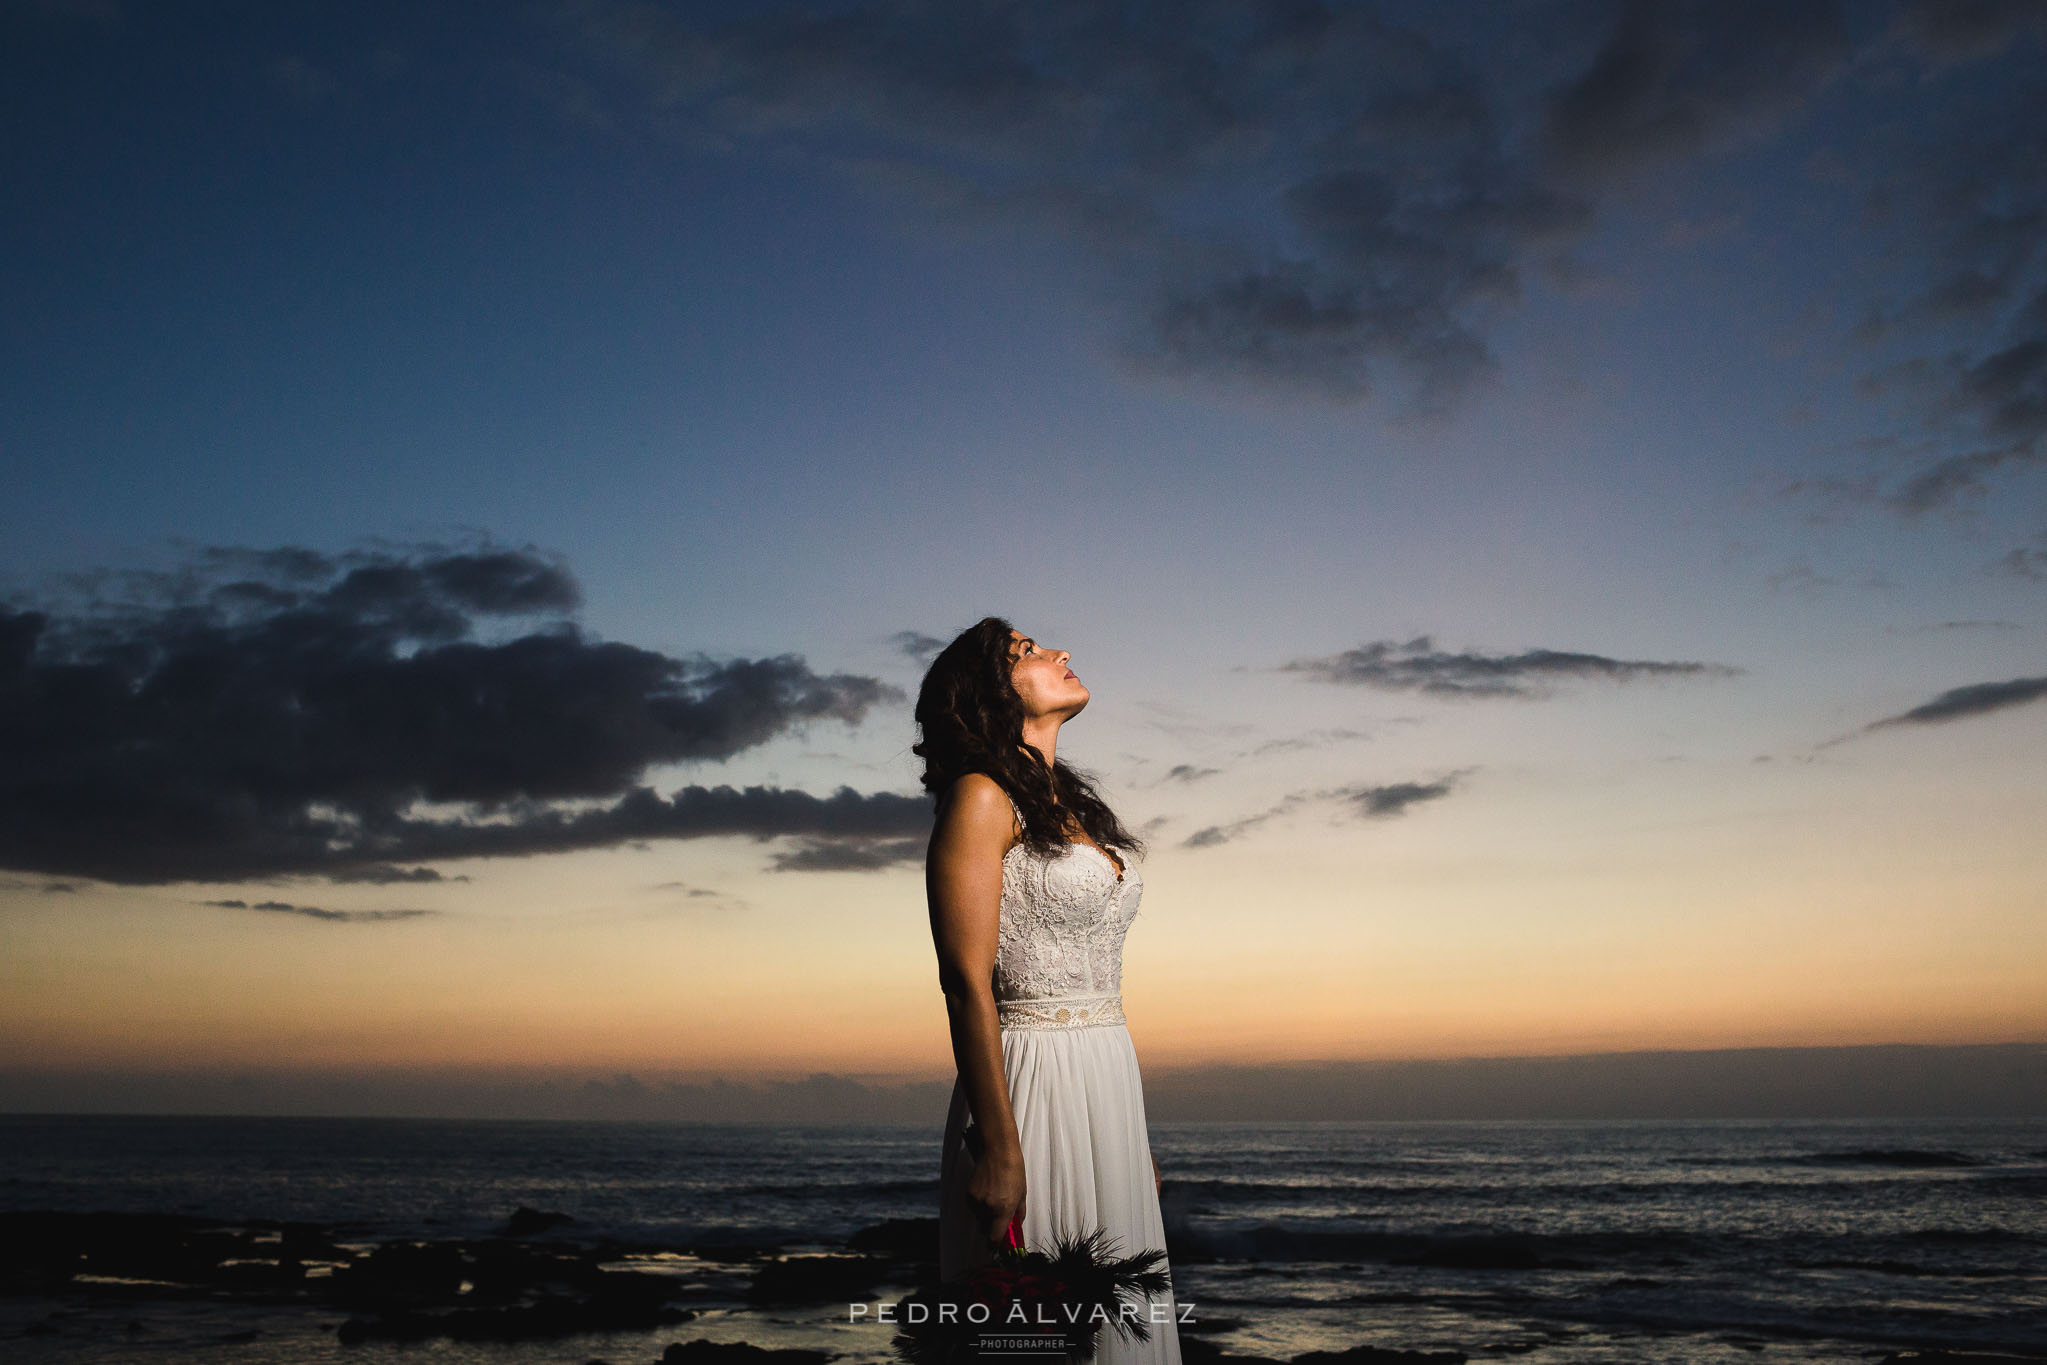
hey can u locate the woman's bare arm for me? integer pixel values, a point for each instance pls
(963, 882)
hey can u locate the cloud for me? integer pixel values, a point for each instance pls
(1678, 77)
(1188, 772)
(1948, 481)
(1310, 196)
(1948, 32)
(916, 645)
(1417, 666)
(256, 714)
(1977, 699)
(2024, 562)
(1211, 836)
(873, 855)
(1322, 738)
(315, 912)
(1395, 798)
(1969, 201)
(1283, 192)
(1371, 801)
(384, 874)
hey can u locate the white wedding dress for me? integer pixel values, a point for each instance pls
(1073, 1080)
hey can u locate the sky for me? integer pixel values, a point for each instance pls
(1549, 500)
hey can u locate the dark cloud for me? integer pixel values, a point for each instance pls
(1968, 30)
(2024, 562)
(1977, 699)
(384, 874)
(1948, 481)
(265, 713)
(917, 645)
(1676, 77)
(1970, 201)
(1317, 196)
(1373, 801)
(1284, 191)
(1188, 772)
(1212, 835)
(1313, 739)
(872, 855)
(1417, 666)
(1394, 798)
(316, 912)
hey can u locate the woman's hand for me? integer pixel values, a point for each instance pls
(1158, 1182)
(997, 1191)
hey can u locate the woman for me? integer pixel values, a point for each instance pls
(1031, 892)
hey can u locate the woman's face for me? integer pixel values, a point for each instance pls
(1043, 679)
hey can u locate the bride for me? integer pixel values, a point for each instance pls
(1031, 892)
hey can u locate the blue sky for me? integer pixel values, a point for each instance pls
(1199, 341)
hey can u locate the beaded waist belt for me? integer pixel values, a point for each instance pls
(1060, 1011)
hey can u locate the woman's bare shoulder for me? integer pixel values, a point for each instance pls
(977, 806)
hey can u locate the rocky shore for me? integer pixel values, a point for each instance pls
(538, 1276)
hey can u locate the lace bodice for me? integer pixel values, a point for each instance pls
(1063, 921)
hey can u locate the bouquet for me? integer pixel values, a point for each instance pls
(1034, 1302)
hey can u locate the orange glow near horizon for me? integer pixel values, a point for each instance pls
(572, 963)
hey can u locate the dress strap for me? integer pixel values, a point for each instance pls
(1017, 811)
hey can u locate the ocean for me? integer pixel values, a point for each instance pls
(1539, 1242)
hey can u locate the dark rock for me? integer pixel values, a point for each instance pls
(526, 1222)
(907, 1239)
(816, 1279)
(402, 1272)
(41, 1252)
(705, 1352)
(1195, 1351)
(553, 1315)
(1956, 1358)
(1379, 1355)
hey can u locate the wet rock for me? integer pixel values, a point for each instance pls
(905, 1239)
(526, 1222)
(1379, 1355)
(1195, 1351)
(489, 1289)
(704, 1352)
(553, 1315)
(816, 1279)
(410, 1272)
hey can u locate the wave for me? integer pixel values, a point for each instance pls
(1901, 1158)
(1278, 1242)
(1607, 1251)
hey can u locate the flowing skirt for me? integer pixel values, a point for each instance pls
(1079, 1105)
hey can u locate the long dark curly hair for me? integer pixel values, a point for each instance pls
(972, 722)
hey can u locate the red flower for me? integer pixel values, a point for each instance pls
(1063, 1294)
